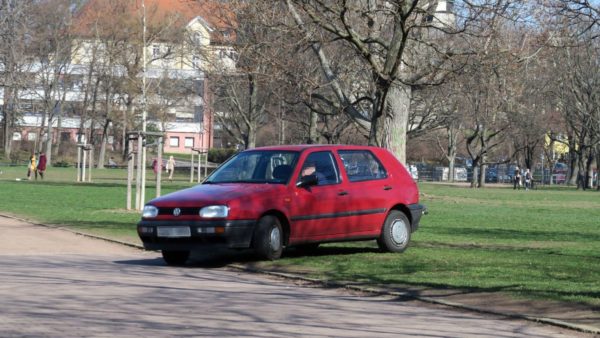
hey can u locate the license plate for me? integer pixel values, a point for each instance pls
(173, 232)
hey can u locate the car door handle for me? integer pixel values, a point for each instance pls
(343, 193)
(387, 187)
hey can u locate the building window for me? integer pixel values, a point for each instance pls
(450, 6)
(31, 136)
(155, 51)
(16, 136)
(198, 87)
(174, 141)
(195, 61)
(198, 114)
(189, 142)
(197, 38)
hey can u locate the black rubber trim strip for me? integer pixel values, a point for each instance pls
(340, 214)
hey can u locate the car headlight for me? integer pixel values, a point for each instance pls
(214, 211)
(149, 211)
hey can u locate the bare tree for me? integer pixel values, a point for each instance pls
(51, 53)
(575, 26)
(15, 24)
(400, 44)
(112, 42)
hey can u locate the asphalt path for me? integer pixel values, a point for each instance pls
(57, 284)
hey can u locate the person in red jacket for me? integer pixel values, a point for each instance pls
(41, 166)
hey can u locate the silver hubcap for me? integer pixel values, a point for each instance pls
(275, 239)
(399, 232)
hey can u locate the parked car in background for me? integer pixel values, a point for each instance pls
(414, 172)
(272, 198)
(460, 174)
(559, 173)
(491, 175)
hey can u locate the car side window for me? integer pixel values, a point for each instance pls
(362, 165)
(322, 164)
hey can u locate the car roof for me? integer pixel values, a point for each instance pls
(302, 147)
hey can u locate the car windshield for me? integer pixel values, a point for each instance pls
(256, 166)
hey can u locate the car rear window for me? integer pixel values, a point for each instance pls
(362, 165)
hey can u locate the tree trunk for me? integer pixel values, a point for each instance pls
(58, 132)
(396, 111)
(127, 112)
(474, 176)
(251, 143)
(451, 162)
(49, 142)
(589, 172)
(102, 153)
(598, 167)
(482, 170)
(312, 128)
(451, 150)
(6, 121)
(571, 179)
(40, 140)
(281, 125)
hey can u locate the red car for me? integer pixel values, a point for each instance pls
(271, 198)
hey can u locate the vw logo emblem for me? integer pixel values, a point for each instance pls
(176, 212)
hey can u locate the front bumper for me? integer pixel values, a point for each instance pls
(416, 211)
(229, 234)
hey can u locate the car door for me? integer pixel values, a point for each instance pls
(369, 190)
(317, 210)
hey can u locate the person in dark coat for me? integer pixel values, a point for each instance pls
(41, 166)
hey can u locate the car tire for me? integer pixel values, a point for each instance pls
(175, 258)
(395, 233)
(268, 238)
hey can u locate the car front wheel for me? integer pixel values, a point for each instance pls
(175, 258)
(268, 238)
(395, 233)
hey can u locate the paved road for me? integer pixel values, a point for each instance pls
(57, 284)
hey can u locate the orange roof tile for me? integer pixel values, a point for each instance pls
(99, 17)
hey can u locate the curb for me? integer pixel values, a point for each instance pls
(370, 290)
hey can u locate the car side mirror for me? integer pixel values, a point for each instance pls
(307, 181)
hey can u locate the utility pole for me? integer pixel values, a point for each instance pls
(144, 112)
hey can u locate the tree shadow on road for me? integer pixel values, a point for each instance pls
(219, 258)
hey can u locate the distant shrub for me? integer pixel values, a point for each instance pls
(19, 157)
(61, 164)
(219, 155)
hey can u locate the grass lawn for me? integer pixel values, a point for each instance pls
(98, 207)
(534, 244)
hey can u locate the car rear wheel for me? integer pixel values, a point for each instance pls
(175, 258)
(395, 233)
(268, 238)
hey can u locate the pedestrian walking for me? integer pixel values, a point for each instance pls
(517, 179)
(528, 179)
(170, 167)
(156, 166)
(41, 166)
(32, 166)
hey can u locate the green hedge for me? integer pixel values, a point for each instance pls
(220, 155)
